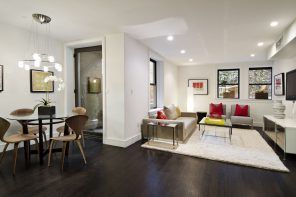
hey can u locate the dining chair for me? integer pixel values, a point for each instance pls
(76, 123)
(78, 111)
(31, 129)
(13, 139)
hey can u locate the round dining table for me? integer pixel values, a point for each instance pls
(40, 120)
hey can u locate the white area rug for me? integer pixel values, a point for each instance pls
(247, 147)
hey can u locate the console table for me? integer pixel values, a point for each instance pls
(282, 132)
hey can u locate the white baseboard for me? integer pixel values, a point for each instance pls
(258, 124)
(122, 143)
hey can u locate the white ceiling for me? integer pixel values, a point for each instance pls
(211, 31)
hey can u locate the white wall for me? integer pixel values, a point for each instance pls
(170, 84)
(136, 85)
(201, 102)
(114, 126)
(14, 45)
(283, 66)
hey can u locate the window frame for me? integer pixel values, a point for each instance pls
(238, 84)
(271, 84)
(155, 81)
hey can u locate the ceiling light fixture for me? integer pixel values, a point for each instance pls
(252, 55)
(40, 47)
(260, 44)
(274, 23)
(182, 51)
(190, 60)
(170, 38)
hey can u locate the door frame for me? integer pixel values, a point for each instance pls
(69, 96)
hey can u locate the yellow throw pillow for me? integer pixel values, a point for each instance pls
(178, 111)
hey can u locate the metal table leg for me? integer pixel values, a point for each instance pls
(40, 142)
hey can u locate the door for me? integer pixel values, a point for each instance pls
(88, 85)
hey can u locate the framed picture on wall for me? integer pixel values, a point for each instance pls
(279, 84)
(37, 84)
(1, 78)
(200, 86)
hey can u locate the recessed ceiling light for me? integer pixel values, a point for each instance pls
(190, 60)
(252, 55)
(274, 23)
(260, 44)
(182, 51)
(170, 38)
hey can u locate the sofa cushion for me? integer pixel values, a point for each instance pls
(187, 121)
(241, 120)
(170, 112)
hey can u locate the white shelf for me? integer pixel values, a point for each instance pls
(285, 123)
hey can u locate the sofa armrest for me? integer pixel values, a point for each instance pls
(189, 114)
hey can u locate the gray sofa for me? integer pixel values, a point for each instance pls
(186, 126)
(240, 120)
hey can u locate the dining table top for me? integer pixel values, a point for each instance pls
(35, 116)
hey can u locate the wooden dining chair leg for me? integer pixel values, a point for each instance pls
(37, 147)
(63, 155)
(3, 152)
(81, 150)
(28, 151)
(82, 136)
(50, 152)
(15, 156)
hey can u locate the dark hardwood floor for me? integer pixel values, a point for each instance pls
(135, 171)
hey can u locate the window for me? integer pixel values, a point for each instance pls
(260, 83)
(228, 83)
(153, 85)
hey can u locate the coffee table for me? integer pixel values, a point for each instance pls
(227, 124)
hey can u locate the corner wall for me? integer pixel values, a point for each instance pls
(136, 87)
(284, 66)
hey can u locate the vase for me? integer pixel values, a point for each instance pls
(278, 109)
(46, 110)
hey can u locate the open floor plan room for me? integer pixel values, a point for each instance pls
(148, 98)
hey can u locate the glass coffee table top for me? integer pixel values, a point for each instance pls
(226, 124)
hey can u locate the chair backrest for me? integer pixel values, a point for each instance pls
(79, 110)
(22, 112)
(77, 123)
(4, 125)
(233, 107)
(224, 108)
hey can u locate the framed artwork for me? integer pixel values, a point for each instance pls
(1, 78)
(37, 84)
(94, 85)
(279, 84)
(200, 86)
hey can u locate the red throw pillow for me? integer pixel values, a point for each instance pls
(241, 110)
(161, 115)
(216, 110)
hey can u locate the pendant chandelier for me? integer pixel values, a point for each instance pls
(40, 46)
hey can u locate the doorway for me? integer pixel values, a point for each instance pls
(88, 85)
